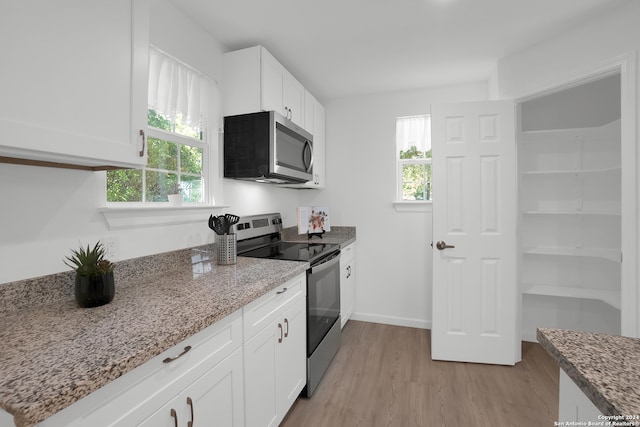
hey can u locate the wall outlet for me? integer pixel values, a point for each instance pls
(111, 248)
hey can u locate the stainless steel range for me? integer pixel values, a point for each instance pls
(259, 236)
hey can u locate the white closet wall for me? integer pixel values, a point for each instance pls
(569, 166)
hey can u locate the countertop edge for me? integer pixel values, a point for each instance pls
(602, 366)
(576, 376)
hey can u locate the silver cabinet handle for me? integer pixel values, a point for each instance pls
(171, 359)
(443, 245)
(280, 326)
(144, 142)
(282, 291)
(190, 403)
(175, 417)
(286, 322)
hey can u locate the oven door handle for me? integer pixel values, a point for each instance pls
(326, 265)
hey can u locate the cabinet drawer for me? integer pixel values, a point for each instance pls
(141, 391)
(264, 310)
(347, 253)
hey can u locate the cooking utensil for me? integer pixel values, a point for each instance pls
(216, 225)
(222, 224)
(230, 221)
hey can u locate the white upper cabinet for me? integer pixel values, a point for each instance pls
(255, 81)
(314, 123)
(74, 82)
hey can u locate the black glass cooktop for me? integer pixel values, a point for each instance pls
(292, 251)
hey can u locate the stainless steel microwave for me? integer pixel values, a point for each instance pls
(267, 147)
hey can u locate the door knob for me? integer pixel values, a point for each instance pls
(442, 245)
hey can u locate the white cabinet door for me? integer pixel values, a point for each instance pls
(314, 123)
(574, 405)
(217, 398)
(214, 399)
(256, 81)
(272, 83)
(293, 99)
(275, 366)
(260, 361)
(318, 133)
(73, 81)
(167, 416)
(347, 282)
(292, 367)
(475, 293)
(281, 92)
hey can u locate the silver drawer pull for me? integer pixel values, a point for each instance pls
(174, 415)
(190, 403)
(171, 359)
(282, 291)
(144, 141)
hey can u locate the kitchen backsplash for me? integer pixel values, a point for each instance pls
(339, 232)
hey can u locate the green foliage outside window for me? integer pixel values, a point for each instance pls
(416, 176)
(169, 166)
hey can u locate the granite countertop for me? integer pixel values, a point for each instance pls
(55, 353)
(605, 367)
(340, 235)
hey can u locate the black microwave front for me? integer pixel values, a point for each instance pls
(267, 147)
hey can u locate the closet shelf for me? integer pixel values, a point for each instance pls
(610, 297)
(607, 132)
(605, 253)
(581, 172)
(571, 212)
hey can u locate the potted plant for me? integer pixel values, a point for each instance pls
(174, 194)
(94, 284)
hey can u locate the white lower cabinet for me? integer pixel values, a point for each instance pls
(575, 405)
(275, 353)
(214, 399)
(347, 282)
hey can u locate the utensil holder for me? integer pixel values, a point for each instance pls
(226, 249)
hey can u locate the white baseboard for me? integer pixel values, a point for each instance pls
(392, 320)
(529, 336)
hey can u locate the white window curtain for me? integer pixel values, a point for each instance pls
(174, 88)
(415, 130)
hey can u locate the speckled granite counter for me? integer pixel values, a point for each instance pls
(342, 236)
(605, 367)
(53, 353)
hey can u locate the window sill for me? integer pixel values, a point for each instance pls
(413, 206)
(123, 217)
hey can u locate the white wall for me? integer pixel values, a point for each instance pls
(577, 53)
(47, 211)
(393, 258)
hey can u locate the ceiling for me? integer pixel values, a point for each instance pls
(338, 48)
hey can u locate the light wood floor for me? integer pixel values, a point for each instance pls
(384, 376)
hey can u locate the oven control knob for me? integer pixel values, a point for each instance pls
(240, 226)
(246, 225)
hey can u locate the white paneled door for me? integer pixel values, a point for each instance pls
(475, 297)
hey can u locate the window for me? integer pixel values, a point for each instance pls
(177, 148)
(413, 148)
